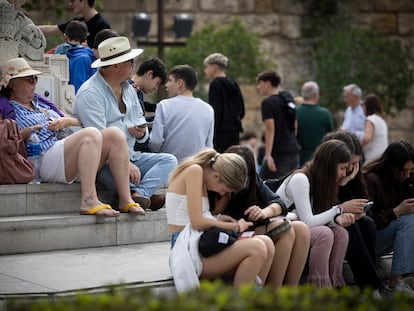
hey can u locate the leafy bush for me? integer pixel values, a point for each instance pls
(378, 65)
(216, 296)
(232, 40)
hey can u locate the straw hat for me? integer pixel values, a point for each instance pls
(115, 51)
(16, 68)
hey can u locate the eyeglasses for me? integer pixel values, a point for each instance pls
(131, 62)
(31, 79)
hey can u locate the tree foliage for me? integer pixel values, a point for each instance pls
(58, 5)
(232, 40)
(378, 65)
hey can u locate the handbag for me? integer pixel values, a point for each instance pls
(15, 168)
(215, 239)
(277, 231)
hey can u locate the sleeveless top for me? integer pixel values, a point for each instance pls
(379, 142)
(176, 206)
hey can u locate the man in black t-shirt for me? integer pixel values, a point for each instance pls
(85, 8)
(282, 149)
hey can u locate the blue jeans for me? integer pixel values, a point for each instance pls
(154, 167)
(398, 237)
(174, 237)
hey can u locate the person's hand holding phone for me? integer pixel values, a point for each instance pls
(354, 206)
(138, 131)
(405, 207)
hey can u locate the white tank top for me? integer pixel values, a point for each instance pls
(176, 205)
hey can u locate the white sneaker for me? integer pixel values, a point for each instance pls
(401, 286)
(377, 294)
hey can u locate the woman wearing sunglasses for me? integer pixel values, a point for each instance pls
(77, 157)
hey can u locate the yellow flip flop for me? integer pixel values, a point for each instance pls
(97, 209)
(126, 208)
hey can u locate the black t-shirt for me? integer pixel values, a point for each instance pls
(284, 142)
(95, 25)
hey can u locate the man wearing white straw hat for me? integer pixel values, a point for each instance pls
(107, 99)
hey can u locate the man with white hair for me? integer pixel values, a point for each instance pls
(225, 97)
(107, 99)
(354, 118)
(314, 121)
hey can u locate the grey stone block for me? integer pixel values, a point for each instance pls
(53, 198)
(46, 198)
(152, 227)
(12, 200)
(38, 233)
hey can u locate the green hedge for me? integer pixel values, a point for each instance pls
(216, 296)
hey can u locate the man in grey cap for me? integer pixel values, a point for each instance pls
(107, 99)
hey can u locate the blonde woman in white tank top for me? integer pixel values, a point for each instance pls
(186, 200)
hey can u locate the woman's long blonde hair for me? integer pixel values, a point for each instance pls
(231, 167)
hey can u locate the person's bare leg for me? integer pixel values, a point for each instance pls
(246, 257)
(283, 249)
(299, 253)
(115, 152)
(82, 152)
(264, 272)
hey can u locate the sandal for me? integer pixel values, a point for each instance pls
(97, 209)
(127, 207)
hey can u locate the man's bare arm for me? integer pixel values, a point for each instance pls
(50, 30)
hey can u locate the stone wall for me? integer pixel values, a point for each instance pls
(281, 25)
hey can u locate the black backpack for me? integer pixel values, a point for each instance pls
(289, 107)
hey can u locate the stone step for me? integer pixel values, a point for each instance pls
(26, 199)
(38, 233)
(45, 217)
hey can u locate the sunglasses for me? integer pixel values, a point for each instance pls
(31, 79)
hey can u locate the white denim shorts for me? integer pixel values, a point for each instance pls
(52, 165)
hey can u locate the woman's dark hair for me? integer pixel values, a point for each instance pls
(249, 192)
(357, 186)
(373, 105)
(6, 92)
(322, 173)
(390, 164)
(102, 36)
(392, 161)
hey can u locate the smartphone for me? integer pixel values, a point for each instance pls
(142, 125)
(368, 206)
(246, 235)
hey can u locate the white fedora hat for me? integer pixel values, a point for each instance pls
(114, 51)
(18, 68)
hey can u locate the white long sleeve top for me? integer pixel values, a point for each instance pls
(295, 190)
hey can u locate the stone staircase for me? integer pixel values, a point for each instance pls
(45, 217)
